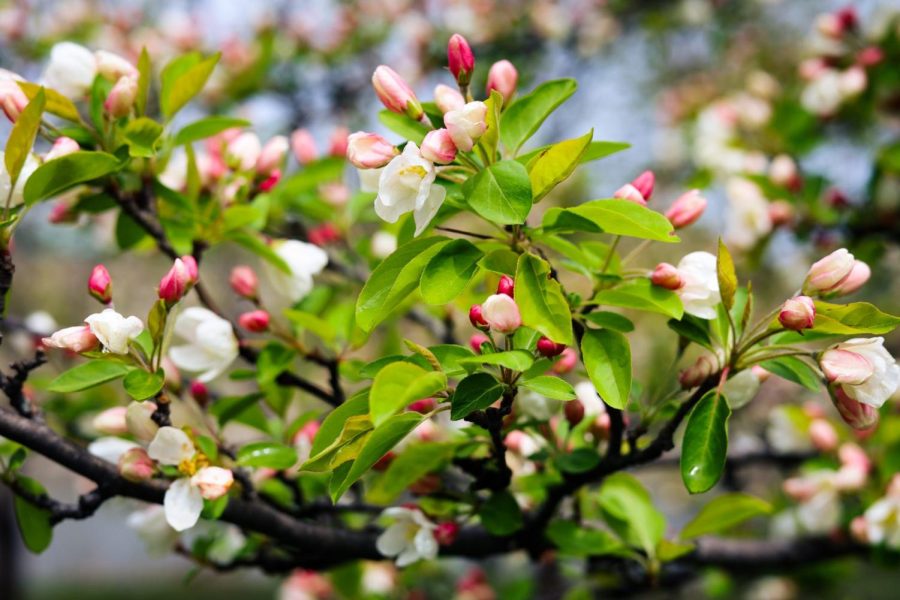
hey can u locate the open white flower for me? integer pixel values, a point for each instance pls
(152, 527)
(183, 501)
(17, 197)
(863, 369)
(700, 292)
(467, 124)
(407, 184)
(71, 70)
(748, 214)
(211, 345)
(882, 521)
(113, 330)
(410, 538)
(304, 261)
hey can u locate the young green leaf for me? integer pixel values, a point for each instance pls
(488, 142)
(551, 387)
(705, 443)
(641, 294)
(571, 539)
(206, 128)
(142, 385)
(58, 175)
(449, 272)
(623, 217)
(407, 468)
(182, 79)
(556, 164)
(141, 134)
(34, 522)
(723, 513)
(145, 72)
(500, 193)
(525, 115)
(21, 138)
(475, 392)
(516, 360)
(728, 282)
(541, 302)
(270, 455)
(501, 514)
(399, 384)
(794, 369)
(403, 126)
(56, 103)
(88, 375)
(852, 319)
(628, 510)
(607, 359)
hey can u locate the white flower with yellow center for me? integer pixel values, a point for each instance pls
(410, 538)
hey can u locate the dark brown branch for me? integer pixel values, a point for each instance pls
(84, 508)
(12, 386)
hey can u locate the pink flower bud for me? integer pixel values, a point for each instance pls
(62, 212)
(243, 151)
(12, 99)
(256, 321)
(304, 146)
(823, 435)
(854, 457)
(781, 212)
(476, 341)
(324, 234)
(178, 281)
(244, 282)
(503, 77)
(828, 273)
(686, 209)
(476, 317)
(798, 313)
(467, 124)
(447, 98)
(337, 143)
(460, 59)
(61, 147)
(667, 276)
(445, 533)
(272, 156)
(549, 348)
(697, 373)
(213, 482)
(425, 405)
(845, 366)
(858, 276)
(644, 183)
(574, 412)
(121, 97)
(847, 18)
(631, 193)
(438, 147)
(111, 421)
(136, 465)
(100, 284)
(856, 414)
(783, 171)
(395, 93)
(566, 362)
(506, 286)
(799, 489)
(369, 150)
(114, 67)
(271, 181)
(200, 393)
(870, 56)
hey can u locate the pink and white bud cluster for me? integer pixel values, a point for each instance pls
(499, 312)
(369, 150)
(837, 274)
(12, 98)
(798, 313)
(244, 282)
(639, 190)
(862, 376)
(504, 78)
(121, 97)
(686, 209)
(179, 280)
(395, 93)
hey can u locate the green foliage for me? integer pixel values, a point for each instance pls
(641, 294)
(267, 454)
(555, 164)
(727, 276)
(475, 392)
(571, 539)
(542, 305)
(524, 116)
(628, 510)
(60, 174)
(182, 79)
(705, 445)
(852, 319)
(34, 522)
(407, 468)
(723, 513)
(141, 135)
(207, 127)
(501, 514)
(449, 271)
(607, 359)
(549, 386)
(142, 385)
(794, 369)
(618, 217)
(22, 136)
(399, 384)
(501, 193)
(88, 375)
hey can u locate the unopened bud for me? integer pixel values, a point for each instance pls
(121, 97)
(501, 313)
(136, 465)
(476, 341)
(61, 147)
(823, 435)
(630, 193)
(574, 411)
(256, 321)
(503, 77)
(460, 59)
(644, 183)
(369, 150)
(438, 147)
(697, 373)
(74, 339)
(506, 285)
(829, 273)
(667, 276)
(200, 393)
(686, 209)
(114, 67)
(445, 533)
(272, 156)
(858, 276)
(856, 414)
(395, 93)
(303, 146)
(447, 98)
(476, 316)
(12, 99)
(213, 482)
(100, 284)
(549, 348)
(798, 313)
(244, 282)
(337, 142)
(111, 421)
(179, 280)
(424, 406)
(243, 151)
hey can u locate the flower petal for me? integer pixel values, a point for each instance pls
(183, 504)
(170, 446)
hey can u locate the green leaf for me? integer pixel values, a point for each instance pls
(502, 261)
(723, 513)
(501, 514)
(610, 320)
(58, 175)
(628, 509)
(21, 138)
(853, 318)
(88, 375)
(206, 128)
(794, 369)
(273, 360)
(34, 522)
(331, 427)
(267, 454)
(607, 359)
(407, 468)
(399, 384)
(516, 360)
(142, 385)
(579, 460)
(403, 126)
(571, 539)
(475, 392)
(382, 439)
(490, 139)
(641, 294)
(56, 103)
(393, 280)
(595, 151)
(693, 329)
(142, 134)
(145, 72)
(524, 116)
(541, 301)
(623, 217)
(705, 443)
(556, 164)
(182, 79)
(549, 386)
(315, 325)
(449, 272)
(728, 282)
(500, 193)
